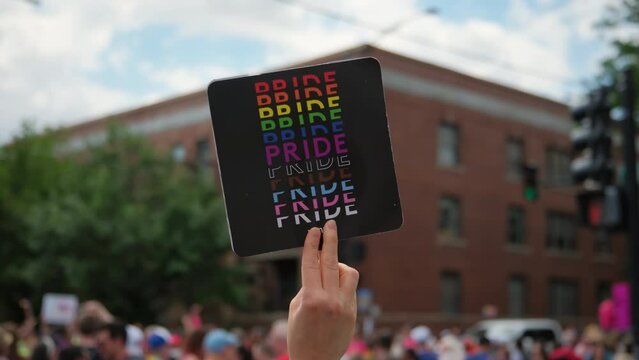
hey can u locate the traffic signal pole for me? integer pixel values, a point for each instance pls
(630, 161)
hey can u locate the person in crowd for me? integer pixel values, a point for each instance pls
(192, 349)
(246, 343)
(97, 309)
(484, 351)
(565, 350)
(423, 340)
(450, 347)
(517, 350)
(192, 320)
(27, 337)
(158, 340)
(42, 352)
(538, 352)
(591, 336)
(569, 336)
(401, 341)
(357, 348)
(409, 354)
(6, 340)
(381, 346)
(10, 337)
(112, 341)
(134, 343)
(276, 339)
(87, 324)
(601, 351)
(220, 344)
(624, 349)
(175, 346)
(261, 351)
(500, 350)
(471, 347)
(73, 353)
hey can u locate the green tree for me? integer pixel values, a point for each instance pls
(123, 225)
(29, 173)
(622, 17)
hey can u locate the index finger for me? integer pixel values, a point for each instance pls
(311, 272)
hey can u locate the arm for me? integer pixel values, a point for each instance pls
(322, 315)
(28, 325)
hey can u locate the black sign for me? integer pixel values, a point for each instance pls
(302, 146)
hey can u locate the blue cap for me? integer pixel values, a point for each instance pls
(156, 342)
(216, 340)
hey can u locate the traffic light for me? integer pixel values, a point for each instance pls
(531, 190)
(603, 208)
(599, 203)
(591, 140)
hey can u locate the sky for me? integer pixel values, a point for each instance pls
(67, 61)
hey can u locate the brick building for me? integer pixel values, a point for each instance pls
(469, 238)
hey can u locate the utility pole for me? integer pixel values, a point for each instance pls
(632, 221)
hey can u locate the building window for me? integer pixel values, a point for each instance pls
(178, 152)
(203, 151)
(561, 232)
(516, 225)
(514, 158)
(449, 217)
(447, 145)
(517, 296)
(451, 292)
(564, 299)
(557, 166)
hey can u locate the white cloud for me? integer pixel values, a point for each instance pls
(44, 54)
(485, 50)
(531, 52)
(184, 79)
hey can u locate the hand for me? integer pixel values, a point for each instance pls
(321, 319)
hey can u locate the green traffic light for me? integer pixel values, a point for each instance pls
(530, 194)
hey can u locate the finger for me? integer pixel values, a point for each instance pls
(328, 258)
(311, 271)
(348, 279)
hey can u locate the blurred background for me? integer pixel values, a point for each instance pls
(513, 134)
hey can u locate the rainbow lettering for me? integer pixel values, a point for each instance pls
(305, 148)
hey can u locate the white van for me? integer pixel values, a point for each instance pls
(511, 330)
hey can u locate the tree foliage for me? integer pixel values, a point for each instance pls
(622, 18)
(119, 223)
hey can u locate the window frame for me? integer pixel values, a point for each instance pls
(441, 205)
(561, 285)
(456, 306)
(456, 150)
(509, 211)
(514, 171)
(524, 300)
(556, 158)
(559, 217)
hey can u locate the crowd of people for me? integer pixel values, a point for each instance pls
(97, 335)
(420, 343)
(321, 326)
